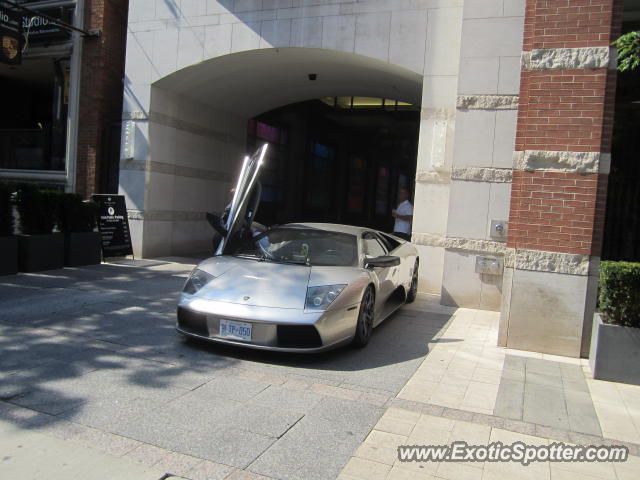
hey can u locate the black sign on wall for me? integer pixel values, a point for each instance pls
(10, 37)
(40, 29)
(113, 225)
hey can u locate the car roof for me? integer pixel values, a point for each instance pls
(330, 227)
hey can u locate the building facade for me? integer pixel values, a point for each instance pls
(515, 102)
(66, 96)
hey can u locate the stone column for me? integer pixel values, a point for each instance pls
(480, 176)
(560, 173)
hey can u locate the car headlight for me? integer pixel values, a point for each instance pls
(319, 298)
(197, 280)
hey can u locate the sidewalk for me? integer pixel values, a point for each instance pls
(93, 378)
(29, 454)
(468, 389)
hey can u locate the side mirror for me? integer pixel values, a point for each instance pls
(383, 261)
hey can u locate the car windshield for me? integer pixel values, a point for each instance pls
(304, 246)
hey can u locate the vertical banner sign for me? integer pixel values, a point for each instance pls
(10, 36)
(113, 225)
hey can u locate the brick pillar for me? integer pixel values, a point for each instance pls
(561, 164)
(101, 88)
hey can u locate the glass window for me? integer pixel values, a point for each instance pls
(372, 247)
(34, 135)
(302, 245)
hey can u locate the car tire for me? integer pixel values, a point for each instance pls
(364, 326)
(413, 290)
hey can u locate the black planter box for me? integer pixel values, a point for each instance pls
(82, 249)
(40, 252)
(8, 255)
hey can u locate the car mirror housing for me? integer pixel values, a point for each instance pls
(382, 261)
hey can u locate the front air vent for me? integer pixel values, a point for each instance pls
(298, 336)
(192, 322)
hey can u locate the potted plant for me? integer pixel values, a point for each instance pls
(8, 241)
(38, 247)
(77, 221)
(615, 337)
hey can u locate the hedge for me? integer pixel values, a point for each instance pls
(6, 209)
(619, 297)
(76, 215)
(37, 209)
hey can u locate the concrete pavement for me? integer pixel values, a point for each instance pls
(90, 364)
(92, 353)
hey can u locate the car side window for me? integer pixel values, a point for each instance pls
(372, 246)
(389, 242)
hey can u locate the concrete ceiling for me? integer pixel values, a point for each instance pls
(254, 82)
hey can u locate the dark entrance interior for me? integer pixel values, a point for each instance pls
(622, 218)
(33, 133)
(336, 160)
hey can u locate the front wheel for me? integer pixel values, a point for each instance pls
(413, 290)
(364, 327)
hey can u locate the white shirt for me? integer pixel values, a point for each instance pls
(405, 208)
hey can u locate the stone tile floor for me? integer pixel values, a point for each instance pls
(89, 358)
(468, 389)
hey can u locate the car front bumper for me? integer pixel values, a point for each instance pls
(281, 329)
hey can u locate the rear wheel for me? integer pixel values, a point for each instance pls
(364, 327)
(413, 290)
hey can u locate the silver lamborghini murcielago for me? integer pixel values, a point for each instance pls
(301, 287)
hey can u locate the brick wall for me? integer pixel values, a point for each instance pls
(101, 89)
(567, 110)
(561, 110)
(570, 23)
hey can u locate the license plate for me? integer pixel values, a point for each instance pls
(237, 330)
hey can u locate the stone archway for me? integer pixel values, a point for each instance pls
(197, 128)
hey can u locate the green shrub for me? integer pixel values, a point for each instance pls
(619, 297)
(6, 209)
(38, 209)
(76, 215)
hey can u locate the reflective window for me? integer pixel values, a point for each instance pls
(372, 247)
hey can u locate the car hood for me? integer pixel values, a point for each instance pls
(255, 283)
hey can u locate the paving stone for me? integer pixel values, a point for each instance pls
(510, 400)
(490, 420)
(230, 446)
(575, 386)
(514, 362)
(245, 475)
(545, 406)
(207, 470)
(571, 373)
(457, 414)
(582, 413)
(544, 379)
(337, 409)
(229, 388)
(412, 406)
(105, 442)
(146, 454)
(267, 421)
(519, 426)
(288, 459)
(177, 464)
(324, 433)
(538, 365)
(553, 433)
(297, 400)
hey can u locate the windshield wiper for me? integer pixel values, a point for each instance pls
(260, 257)
(293, 262)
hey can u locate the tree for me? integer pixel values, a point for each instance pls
(628, 46)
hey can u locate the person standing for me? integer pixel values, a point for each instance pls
(403, 215)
